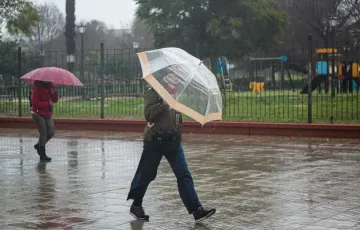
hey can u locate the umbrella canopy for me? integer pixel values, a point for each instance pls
(184, 82)
(55, 75)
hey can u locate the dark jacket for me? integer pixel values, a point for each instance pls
(160, 117)
(42, 99)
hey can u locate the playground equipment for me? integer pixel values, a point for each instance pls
(273, 63)
(344, 71)
(257, 86)
(222, 73)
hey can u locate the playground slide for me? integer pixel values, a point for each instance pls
(298, 68)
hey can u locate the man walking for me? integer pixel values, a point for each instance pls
(162, 137)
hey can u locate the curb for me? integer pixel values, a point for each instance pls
(238, 128)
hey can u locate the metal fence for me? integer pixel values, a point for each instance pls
(261, 86)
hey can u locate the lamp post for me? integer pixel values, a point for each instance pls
(347, 49)
(82, 29)
(70, 58)
(326, 55)
(42, 56)
(136, 47)
(356, 33)
(333, 23)
(282, 76)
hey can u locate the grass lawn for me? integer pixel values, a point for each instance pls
(289, 106)
(268, 106)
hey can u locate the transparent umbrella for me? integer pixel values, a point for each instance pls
(184, 82)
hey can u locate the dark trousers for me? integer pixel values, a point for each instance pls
(46, 128)
(324, 79)
(147, 170)
(347, 85)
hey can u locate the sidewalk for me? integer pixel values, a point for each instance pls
(254, 182)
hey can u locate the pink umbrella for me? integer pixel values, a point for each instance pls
(55, 75)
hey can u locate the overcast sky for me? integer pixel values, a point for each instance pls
(115, 13)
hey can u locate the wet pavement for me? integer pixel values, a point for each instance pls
(254, 182)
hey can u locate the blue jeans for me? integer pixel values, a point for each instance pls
(147, 170)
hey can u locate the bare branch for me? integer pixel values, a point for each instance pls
(52, 24)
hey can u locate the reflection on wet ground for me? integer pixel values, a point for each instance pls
(254, 182)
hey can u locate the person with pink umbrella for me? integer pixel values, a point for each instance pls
(43, 96)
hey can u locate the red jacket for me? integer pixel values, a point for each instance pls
(42, 99)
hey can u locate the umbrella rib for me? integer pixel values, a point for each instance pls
(208, 105)
(191, 78)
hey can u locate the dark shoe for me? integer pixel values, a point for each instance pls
(37, 148)
(202, 214)
(138, 212)
(42, 154)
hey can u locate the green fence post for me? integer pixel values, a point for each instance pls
(19, 81)
(311, 73)
(102, 79)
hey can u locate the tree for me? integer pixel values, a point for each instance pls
(70, 30)
(142, 34)
(9, 65)
(8, 52)
(316, 15)
(229, 27)
(18, 15)
(96, 33)
(48, 28)
(308, 16)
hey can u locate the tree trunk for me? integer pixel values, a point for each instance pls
(70, 31)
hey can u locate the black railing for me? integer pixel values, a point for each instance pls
(261, 87)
